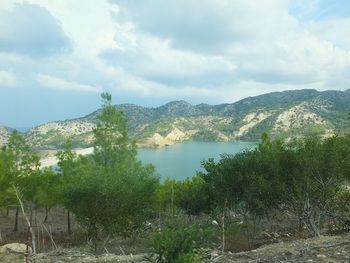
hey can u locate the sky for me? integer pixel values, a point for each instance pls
(56, 57)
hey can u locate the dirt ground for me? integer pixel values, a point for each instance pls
(56, 226)
(332, 249)
(64, 247)
(324, 249)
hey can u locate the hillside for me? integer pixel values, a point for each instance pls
(281, 114)
(4, 134)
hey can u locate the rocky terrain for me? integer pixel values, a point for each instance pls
(53, 134)
(4, 135)
(324, 249)
(332, 249)
(281, 114)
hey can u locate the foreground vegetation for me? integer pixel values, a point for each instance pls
(299, 187)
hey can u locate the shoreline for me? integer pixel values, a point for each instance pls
(49, 159)
(52, 160)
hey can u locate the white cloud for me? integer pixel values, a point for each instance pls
(183, 42)
(7, 78)
(335, 31)
(135, 85)
(185, 48)
(87, 23)
(61, 84)
(31, 30)
(155, 59)
(208, 25)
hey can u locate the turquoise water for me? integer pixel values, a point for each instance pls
(184, 160)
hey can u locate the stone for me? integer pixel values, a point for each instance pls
(15, 248)
(321, 256)
(275, 235)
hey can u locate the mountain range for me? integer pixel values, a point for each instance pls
(280, 114)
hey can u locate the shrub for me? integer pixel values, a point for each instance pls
(341, 211)
(181, 241)
(174, 245)
(300, 177)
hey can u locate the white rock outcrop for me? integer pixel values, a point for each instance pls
(297, 117)
(4, 135)
(251, 120)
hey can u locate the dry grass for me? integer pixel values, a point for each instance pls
(50, 235)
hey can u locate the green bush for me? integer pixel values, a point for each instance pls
(190, 195)
(300, 177)
(175, 245)
(182, 240)
(341, 208)
(193, 195)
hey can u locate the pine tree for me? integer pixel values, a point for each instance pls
(110, 192)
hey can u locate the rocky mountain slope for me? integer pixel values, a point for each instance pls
(4, 134)
(52, 135)
(281, 114)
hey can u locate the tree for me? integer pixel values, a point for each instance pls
(320, 169)
(112, 192)
(168, 196)
(69, 171)
(4, 175)
(18, 163)
(247, 182)
(193, 195)
(301, 177)
(47, 190)
(7, 196)
(21, 163)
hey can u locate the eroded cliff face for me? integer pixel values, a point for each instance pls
(250, 121)
(157, 140)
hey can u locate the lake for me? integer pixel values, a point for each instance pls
(184, 159)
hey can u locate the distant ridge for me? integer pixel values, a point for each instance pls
(281, 114)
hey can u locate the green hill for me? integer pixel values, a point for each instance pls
(281, 114)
